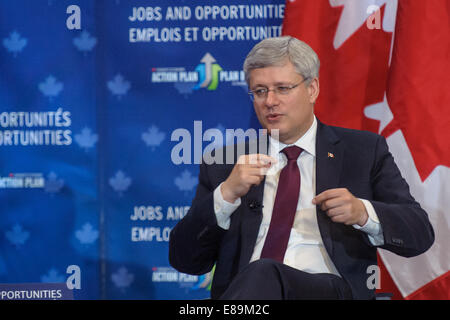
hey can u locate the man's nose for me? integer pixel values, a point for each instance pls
(272, 99)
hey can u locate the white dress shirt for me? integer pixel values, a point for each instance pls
(305, 250)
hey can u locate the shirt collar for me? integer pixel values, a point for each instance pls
(307, 142)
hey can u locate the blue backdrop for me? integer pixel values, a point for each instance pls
(91, 100)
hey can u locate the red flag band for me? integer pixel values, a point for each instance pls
(385, 67)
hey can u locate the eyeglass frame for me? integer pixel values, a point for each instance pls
(251, 93)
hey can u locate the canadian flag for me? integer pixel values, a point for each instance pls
(385, 67)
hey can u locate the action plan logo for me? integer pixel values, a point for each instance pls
(50, 183)
(208, 74)
(187, 281)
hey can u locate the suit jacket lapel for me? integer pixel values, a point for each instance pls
(251, 221)
(329, 160)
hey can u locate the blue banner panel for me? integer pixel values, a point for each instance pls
(48, 169)
(35, 291)
(105, 110)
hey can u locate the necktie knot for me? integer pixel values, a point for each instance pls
(292, 152)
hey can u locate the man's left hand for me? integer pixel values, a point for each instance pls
(342, 206)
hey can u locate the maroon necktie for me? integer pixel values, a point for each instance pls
(284, 207)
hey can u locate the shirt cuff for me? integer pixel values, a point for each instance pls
(373, 226)
(223, 209)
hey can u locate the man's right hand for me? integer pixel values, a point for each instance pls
(249, 170)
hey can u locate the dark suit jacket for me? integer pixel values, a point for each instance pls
(361, 163)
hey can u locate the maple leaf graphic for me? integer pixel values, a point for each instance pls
(87, 234)
(50, 87)
(86, 139)
(122, 278)
(85, 42)
(119, 86)
(17, 236)
(120, 182)
(186, 182)
(153, 137)
(15, 43)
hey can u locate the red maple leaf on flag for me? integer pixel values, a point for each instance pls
(355, 75)
(362, 88)
(350, 78)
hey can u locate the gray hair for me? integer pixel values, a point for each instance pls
(274, 51)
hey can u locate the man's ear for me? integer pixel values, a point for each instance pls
(313, 90)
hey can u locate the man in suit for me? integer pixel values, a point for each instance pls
(304, 220)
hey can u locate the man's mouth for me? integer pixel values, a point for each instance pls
(273, 117)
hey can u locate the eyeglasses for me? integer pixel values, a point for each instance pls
(261, 93)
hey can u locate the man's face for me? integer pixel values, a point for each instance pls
(291, 113)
